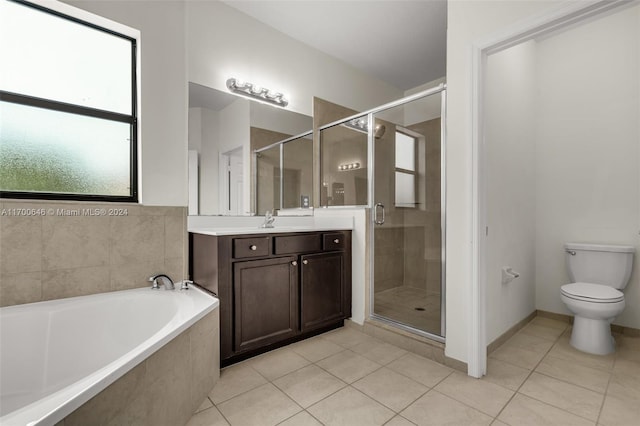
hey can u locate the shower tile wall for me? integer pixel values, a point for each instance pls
(408, 250)
(410, 253)
(389, 268)
(55, 255)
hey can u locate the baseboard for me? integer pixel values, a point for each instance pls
(619, 329)
(498, 341)
(558, 317)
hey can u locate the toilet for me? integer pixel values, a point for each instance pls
(598, 273)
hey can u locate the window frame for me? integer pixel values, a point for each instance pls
(90, 20)
(413, 172)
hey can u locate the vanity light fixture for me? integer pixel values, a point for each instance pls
(349, 166)
(255, 92)
(361, 125)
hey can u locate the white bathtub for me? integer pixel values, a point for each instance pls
(56, 355)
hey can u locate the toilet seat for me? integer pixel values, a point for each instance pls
(593, 293)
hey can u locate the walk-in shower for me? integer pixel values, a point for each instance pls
(391, 159)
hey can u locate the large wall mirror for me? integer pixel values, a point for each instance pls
(224, 132)
(284, 174)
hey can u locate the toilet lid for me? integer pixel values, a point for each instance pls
(592, 292)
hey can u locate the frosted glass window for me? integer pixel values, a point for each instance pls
(405, 189)
(56, 152)
(51, 57)
(405, 152)
(68, 125)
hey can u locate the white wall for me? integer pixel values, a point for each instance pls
(210, 163)
(279, 120)
(163, 117)
(235, 133)
(425, 109)
(468, 22)
(195, 129)
(224, 43)
(510, 92)
(588, 149)
(195, 149)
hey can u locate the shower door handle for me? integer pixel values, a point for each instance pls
(375, 213)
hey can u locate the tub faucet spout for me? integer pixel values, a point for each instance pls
(166, 281)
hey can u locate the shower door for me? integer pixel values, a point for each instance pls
(408, 215)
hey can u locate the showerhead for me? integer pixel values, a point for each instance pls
(379, 131)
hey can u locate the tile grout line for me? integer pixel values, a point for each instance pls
(574, 384)
(248, 363)
(536, 399)
(606, 391)
(517, 391)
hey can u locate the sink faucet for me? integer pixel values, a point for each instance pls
(268, 220)
(168, 282)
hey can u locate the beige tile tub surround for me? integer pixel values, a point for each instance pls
(165, 389)
(60, 254)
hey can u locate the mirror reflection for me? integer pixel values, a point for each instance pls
(297, 160)
(224, 131)
(284, 174)
(344, 161)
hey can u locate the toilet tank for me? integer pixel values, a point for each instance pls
(599, 264)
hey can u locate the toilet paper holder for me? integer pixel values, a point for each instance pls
(508, 274)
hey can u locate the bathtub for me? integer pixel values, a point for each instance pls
(56, 355)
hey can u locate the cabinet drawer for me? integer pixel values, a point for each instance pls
(333, 241)
(250, 247)
(298, 244)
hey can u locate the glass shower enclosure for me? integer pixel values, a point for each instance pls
(391, 159)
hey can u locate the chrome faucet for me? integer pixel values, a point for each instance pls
(268, 220)
(168, 282)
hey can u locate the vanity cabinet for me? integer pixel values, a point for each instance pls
(322, 287)
(265, 302)
(273, 288)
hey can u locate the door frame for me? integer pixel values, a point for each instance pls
(561, 17)
(224, 193)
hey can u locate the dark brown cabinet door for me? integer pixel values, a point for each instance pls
(265, 300)
(322, 289)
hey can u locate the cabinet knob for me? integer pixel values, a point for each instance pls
(304, 262)
(294, 263)
(336, 241)
(254, 248)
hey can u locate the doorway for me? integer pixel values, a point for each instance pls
(555, 158)
(231, 168)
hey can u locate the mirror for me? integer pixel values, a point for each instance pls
(284, 178)
(344, 165)
(224, 131)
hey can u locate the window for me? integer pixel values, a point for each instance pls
(405, 170)
(68, 127)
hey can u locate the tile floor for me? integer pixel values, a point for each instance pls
(345, 377)
(399, 304)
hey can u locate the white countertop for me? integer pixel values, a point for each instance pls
(216, 225)
(275, 230)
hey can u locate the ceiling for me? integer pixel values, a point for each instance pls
(400, 42)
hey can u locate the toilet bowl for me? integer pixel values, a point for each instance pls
(594, 306)
(598, 274)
